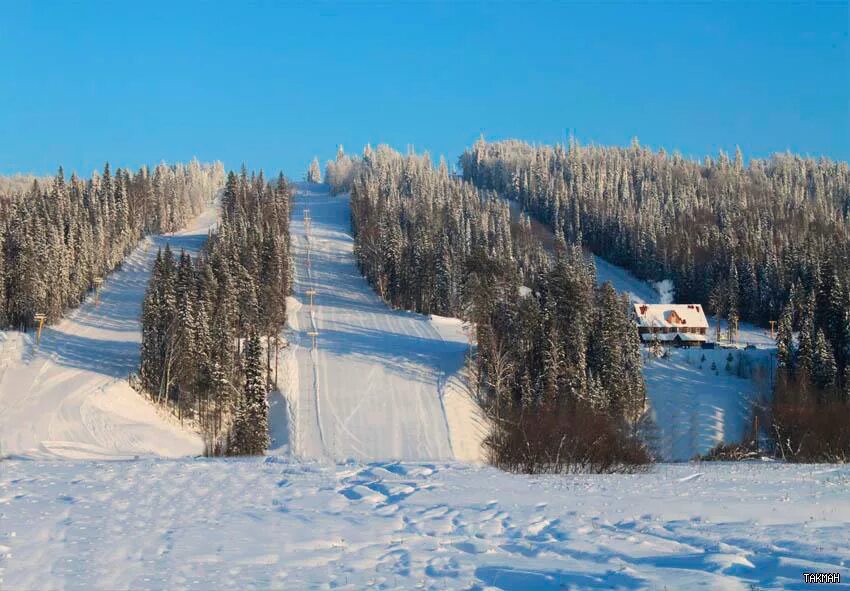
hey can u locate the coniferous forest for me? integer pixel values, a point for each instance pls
(57, 236)
(210, 325)
(765, 241)
(557, 364)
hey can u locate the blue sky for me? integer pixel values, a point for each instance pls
(273, 84)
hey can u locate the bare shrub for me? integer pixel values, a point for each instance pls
(564, 440)
(808, 426)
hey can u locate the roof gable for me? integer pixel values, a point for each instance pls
(670, 315)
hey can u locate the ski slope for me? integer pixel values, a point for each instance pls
(381, 383)
(639, 291)
(69, 397)
(201, 524)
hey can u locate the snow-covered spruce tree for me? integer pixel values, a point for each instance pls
(785, 340)
(823, 363)
(429, 242)
(198, 313)
(249, 435)
(314, 173)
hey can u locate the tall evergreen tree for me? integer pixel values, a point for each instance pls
(250, 425)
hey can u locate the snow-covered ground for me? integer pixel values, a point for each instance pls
(253, 524)
(639, 291)
(697, 407)
(69, 397)
(381, 383)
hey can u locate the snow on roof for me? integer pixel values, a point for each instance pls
(670, 315)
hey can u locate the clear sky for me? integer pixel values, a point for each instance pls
(273, 84)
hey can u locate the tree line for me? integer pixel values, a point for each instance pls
(769, 240)
(340, 173)
(810, 411)
(58, 236)
(210, 324)
(557, 364)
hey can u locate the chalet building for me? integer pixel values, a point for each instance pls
(676, 324)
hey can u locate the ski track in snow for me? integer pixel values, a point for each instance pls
(373, 389)
(263, 524)
(69, 397)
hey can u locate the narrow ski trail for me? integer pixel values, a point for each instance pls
(373, 387)
(69, 397)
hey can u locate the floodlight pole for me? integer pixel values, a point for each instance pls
(314, 335)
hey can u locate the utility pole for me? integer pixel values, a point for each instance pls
(756, 433)
(772, 328)
(315, 335)
(276, 353)
(40, 318)
(98, 281)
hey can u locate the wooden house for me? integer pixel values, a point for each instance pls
(675, 324)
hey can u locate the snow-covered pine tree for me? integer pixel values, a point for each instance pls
(250, 426)
(804, 361)
(784, 340)
(58, 237)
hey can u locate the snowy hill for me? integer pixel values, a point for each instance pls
(381, 384)
(69, 397)
(253, 524)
